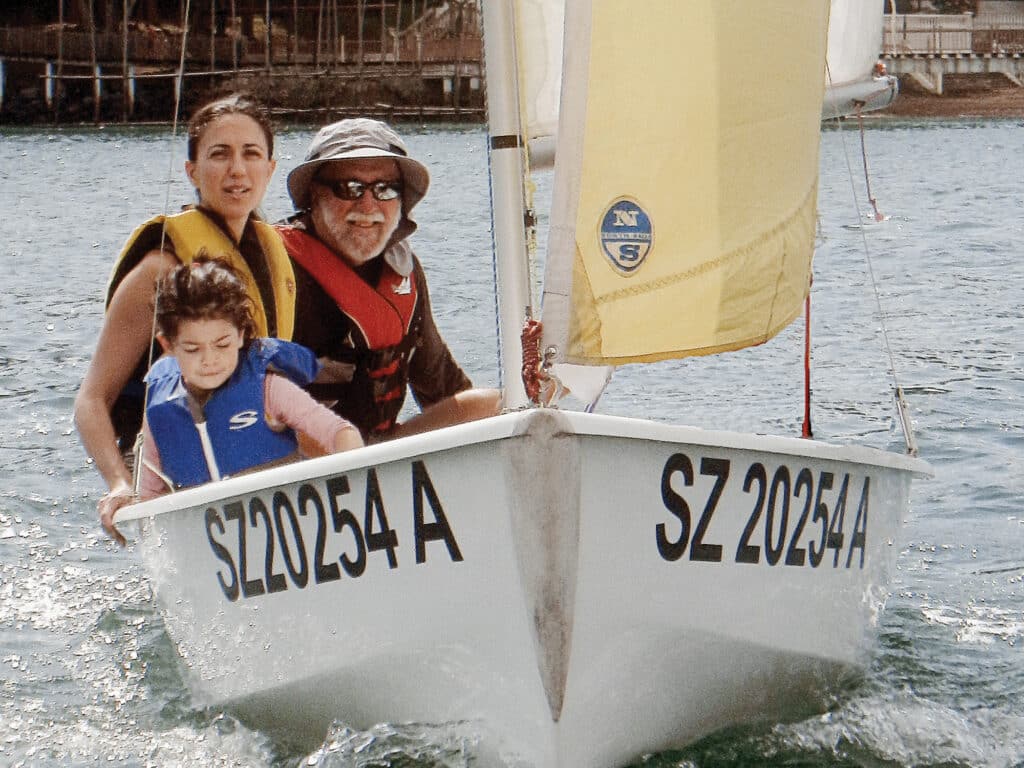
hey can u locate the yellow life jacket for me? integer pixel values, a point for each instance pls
(192, 231)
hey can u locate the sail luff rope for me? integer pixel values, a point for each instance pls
(178, 87)
(901, 404)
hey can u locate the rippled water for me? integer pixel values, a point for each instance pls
(88, 675)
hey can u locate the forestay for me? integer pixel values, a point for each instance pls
(684, 201)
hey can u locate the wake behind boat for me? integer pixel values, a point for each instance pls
(575, 589)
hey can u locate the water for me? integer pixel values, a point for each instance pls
(88, 675)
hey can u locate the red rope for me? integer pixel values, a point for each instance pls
(532, 373)
(879, 216)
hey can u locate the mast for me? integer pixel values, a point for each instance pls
(60, 61)
(383, 32)
(266, 35)
(233, 34)
(97, 86)
(125, 92)
(213, 36)
(508, 210)
(319, 33)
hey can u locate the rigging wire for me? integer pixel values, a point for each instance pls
(494, 236)
(901, 404)
(179, 81)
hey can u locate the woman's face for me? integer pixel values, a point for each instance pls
(232, 168)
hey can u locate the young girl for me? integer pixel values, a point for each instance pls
(222, 402)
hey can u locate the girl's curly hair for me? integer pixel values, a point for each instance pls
(206, 289)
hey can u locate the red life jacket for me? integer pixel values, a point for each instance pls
(383, 320)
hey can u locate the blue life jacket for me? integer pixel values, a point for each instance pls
(235, 419)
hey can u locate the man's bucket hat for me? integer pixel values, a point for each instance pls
(352, 139)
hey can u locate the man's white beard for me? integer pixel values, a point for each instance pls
(355, 250)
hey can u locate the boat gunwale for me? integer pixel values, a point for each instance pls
(515, 424)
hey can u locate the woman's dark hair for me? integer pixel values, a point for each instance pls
(232, 104)
(206, 289)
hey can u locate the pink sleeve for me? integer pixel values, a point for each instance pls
(150, 482)
(287, 403)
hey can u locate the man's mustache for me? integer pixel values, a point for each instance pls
(365, 218)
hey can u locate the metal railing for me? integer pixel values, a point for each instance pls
(921, 34)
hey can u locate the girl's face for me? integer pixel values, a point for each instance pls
(207, 353)
(232, 168)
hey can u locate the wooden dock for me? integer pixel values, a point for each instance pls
(55, 73)
(927, 47)
(46, 74)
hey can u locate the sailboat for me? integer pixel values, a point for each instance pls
(856, 81)
(576, 589)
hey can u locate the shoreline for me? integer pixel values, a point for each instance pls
(965, 96)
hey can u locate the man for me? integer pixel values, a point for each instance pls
(361, 295)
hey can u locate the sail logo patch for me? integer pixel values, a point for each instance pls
(626, 235)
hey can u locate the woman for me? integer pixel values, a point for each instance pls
(230, 162)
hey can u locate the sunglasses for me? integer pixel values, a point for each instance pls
(351, 189)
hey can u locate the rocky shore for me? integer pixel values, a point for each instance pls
(983, 96)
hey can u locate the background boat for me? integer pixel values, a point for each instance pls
(855, 80)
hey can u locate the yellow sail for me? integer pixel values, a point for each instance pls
(684, 213)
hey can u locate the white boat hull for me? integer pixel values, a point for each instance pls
(578, 589)
(865, 96)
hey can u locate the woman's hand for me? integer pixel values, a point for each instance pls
(119, 496)
(124, 340)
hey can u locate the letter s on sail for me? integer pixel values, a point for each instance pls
(243, 419)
